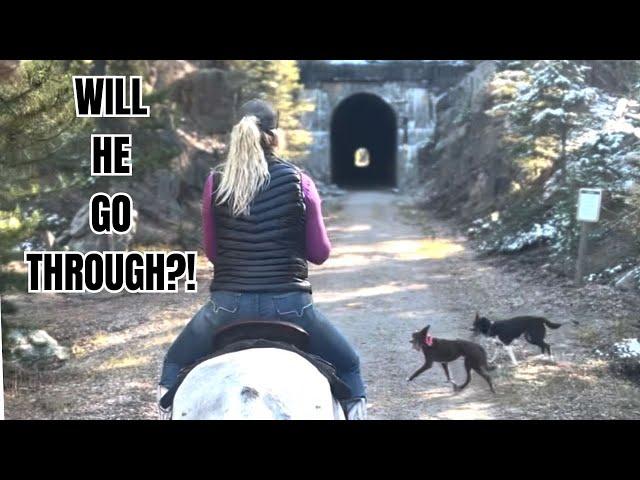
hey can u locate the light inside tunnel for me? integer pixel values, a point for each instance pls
(363, 142)
(361, 158)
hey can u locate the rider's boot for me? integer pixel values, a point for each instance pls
(355, 408)
(163, 413)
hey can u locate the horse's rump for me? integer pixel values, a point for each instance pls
(258, 383)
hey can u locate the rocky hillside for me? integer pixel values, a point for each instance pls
(516, 140)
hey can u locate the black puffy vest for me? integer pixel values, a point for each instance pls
(264, 251)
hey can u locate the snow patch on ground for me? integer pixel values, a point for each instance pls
(627, 348)
(536, 235)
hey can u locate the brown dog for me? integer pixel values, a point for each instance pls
(445, 351)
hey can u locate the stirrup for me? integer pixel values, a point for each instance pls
(355, 408)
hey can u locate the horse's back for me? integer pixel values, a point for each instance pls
(260, 383)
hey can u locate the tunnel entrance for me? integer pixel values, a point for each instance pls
(363, 142)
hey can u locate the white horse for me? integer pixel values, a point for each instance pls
(256, 384)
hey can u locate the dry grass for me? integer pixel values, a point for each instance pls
(570, 391)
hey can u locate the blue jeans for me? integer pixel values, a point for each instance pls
(224, 307)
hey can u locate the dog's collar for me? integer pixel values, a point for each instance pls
(428, 340)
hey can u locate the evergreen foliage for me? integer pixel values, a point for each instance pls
(278, 81)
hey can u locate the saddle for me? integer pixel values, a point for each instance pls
(275, 331)
(263, 334)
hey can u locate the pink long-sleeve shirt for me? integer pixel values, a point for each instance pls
(318, 246)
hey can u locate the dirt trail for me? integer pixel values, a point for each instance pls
(386, 279)
(392, 271)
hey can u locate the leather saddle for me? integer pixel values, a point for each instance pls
(270, 330)
(248, 334)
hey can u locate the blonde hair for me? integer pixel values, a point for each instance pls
(246, 171)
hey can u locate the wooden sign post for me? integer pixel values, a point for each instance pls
(589, 203)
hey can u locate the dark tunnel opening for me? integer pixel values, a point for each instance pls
(366, 124)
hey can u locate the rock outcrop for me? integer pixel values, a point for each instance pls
(463, 165)
(79, 237)
(166, 198)
(34, 349)
(208, 97)
(629, 280)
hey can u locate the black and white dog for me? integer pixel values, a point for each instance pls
(533, 329)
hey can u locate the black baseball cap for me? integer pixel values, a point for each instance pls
(267, 116)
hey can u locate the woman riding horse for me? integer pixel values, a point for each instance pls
(262, 222)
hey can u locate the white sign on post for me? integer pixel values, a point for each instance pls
(589, 201)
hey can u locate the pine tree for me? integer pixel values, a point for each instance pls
(38, 130)
(552, 103)
(40, 140)
(44, 148)
(278, 81)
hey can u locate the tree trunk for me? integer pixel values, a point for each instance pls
(563, 152)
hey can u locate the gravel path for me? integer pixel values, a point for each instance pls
(386, 278)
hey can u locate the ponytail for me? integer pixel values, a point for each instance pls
(245, 172)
